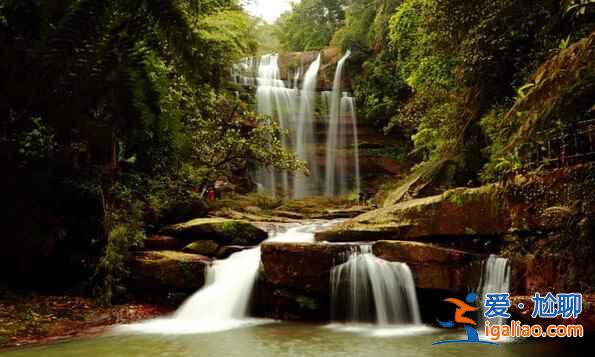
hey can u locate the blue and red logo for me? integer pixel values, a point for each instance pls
(460, 318)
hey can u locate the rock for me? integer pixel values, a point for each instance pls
(302, 266)
(203, 247)
(341, 213)
(166, 272)
(161, 242)
(221, 230)
(433, 267)
(253, 210)
(227, 250)
(540, 273)
(288, 214)
(306, 266)
(457, 212)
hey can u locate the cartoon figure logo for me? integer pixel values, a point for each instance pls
(462, 309)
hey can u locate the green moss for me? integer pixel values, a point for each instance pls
(205, 247)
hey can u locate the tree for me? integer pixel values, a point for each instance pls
(310, 24)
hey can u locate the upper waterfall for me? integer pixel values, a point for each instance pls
(321, 128)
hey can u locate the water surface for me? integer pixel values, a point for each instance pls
(291, 339)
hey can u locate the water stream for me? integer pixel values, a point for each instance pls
(224, 301)
(495, 278)
(321, 126)
(369, 289)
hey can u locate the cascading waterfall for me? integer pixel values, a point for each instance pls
(277, 101)
(348, 112)
(305, 134)
(224, 301)
(294, 110)
(495, 278)
(336, 162)
(369, 289)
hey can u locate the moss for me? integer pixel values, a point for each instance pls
(204, 247)
(221, 230)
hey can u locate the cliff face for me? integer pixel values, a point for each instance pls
(291, 62)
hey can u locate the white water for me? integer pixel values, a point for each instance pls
(495, 278)
(223, 303)
(294, 110)
(369, 289)
(341, 113)
(276, 101)
(304, 134)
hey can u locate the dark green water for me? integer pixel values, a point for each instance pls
(290, 339)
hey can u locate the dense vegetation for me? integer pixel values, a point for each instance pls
(442, 76)
(116, 115)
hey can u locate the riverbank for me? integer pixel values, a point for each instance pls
(28, 319)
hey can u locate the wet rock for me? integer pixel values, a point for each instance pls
(203, 247)
(227, 250)
(221, 230)
(166, 272)
(433, 267)
(161, 242)
(302, 266)
(306, 266)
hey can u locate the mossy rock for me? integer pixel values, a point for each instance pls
(221, 230)
(167, 271)
(457, 212)
(204, 247)
(160, 242)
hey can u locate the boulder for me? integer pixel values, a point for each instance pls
(167, 272)
(221, 230)
(161, 242)
(203, 247)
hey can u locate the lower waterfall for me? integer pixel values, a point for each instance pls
(495, 278)
(223, 303)
(369, 289)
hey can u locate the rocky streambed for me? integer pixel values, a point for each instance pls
(543, 225)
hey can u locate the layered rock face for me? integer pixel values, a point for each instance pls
(543, 224)
(307, 266)
(295, 277)
(524, 206)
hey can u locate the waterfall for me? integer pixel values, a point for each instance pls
(293, 110)
(277, 101)
(305, 135)
(223, 302)
(495, 278)
(341, 113)
(369, 289)
(348, 111)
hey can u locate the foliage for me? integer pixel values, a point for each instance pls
(134, 92)
(310, 24)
